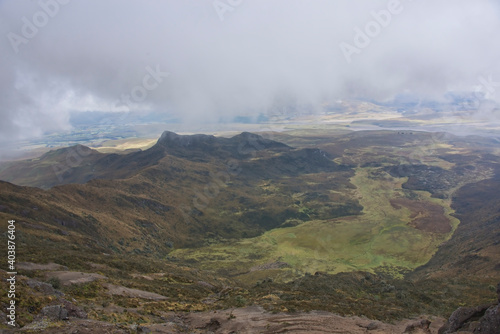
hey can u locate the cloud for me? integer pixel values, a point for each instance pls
(264, 54)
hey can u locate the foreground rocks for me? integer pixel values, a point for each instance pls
(248, 320)
(255, 320)
(62, 314)
(484, 319)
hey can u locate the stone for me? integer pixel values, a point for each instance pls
(484, 319)
(42, 287)
(372, 326)
(73, 310)
(490, 322)
(142, 329)
(55, 312)
(420, 326)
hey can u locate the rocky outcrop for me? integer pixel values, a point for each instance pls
(420, 326)
(42, 287)
(72, 310)
(55, 312)
(484, 319)
(464, 319)
(490, 323)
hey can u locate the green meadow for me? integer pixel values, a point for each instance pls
(380, 238)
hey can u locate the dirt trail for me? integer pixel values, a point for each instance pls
(133, 293)
(74, 277)
(28, 266)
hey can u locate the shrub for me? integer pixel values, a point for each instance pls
(55, 282)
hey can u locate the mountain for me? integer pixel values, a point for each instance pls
(154, 192)
(203, 147)
(406, 221)
(80, 164)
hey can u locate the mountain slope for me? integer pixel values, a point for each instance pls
(172, 193)
(474, 249)
(269, 224)
(196, 190)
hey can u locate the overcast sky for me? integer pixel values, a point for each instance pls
(201, 59)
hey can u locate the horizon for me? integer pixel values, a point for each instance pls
(203, 65)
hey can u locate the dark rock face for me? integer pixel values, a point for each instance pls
(483, 319)
(490, 323)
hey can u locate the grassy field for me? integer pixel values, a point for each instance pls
(124, 145)
(381, 237)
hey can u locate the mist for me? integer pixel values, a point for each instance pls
(201, 61)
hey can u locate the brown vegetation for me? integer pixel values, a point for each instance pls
(425, 216)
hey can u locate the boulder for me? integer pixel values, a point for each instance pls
(490, 322)
(420, 326)
(55, 312)
(73, 310)
(45, 288)
(483, 319)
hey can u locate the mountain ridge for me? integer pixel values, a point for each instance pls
(80, 164)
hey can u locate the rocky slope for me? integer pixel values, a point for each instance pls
(63, 315)
(484, 319)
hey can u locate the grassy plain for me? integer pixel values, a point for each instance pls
(381, 237)
(125, 145)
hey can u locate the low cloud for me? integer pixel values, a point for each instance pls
(229, 57)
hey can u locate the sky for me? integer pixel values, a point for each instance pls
(200, 60)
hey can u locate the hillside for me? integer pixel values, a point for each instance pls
(295, 221)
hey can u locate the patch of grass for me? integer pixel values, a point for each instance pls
(84, 291)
